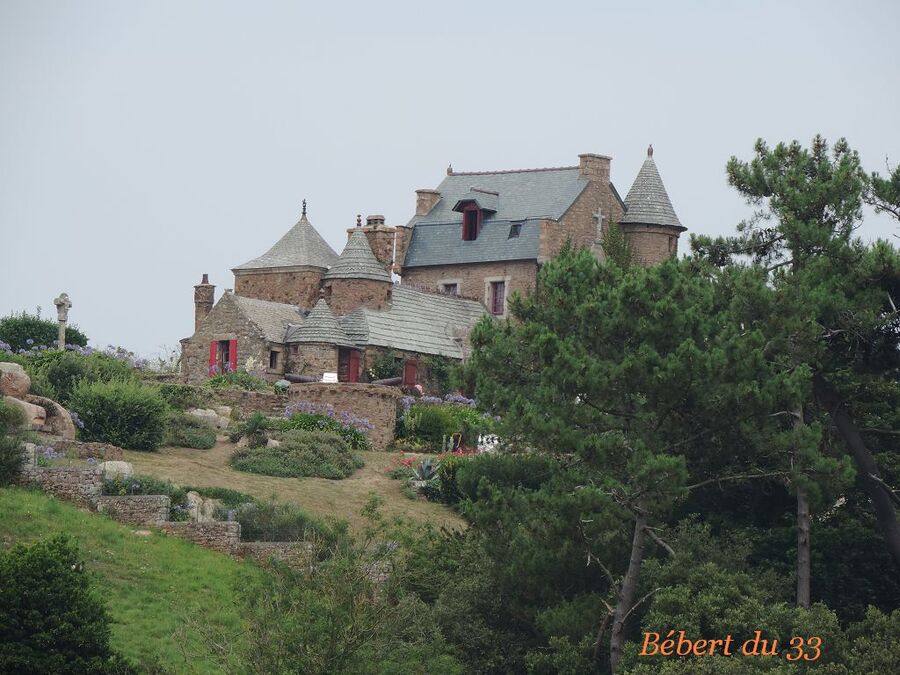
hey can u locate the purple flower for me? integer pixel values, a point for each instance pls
(29, 342)
(76, 420)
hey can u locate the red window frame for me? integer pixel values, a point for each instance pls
(471, 222)
(498, 297)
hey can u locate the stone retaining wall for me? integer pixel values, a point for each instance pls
(374, 402)
(218, 535)
(297, 554)
(75, 484)
(136, 509)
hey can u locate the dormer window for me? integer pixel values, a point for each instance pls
(515, 229)
(471, 222)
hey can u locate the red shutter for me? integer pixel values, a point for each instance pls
(232, 355)
(353, 367)
(213, 353)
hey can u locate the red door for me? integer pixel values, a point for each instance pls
(410, 373)
(353, 366)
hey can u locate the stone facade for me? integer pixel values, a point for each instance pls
(381, 240)
(474, 278)
(225, 322)
(136, 509)
(295, 287)
(651, 244)
(313, 359)
(221, 536)
(345, 295)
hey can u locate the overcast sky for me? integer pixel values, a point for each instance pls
(145, 143)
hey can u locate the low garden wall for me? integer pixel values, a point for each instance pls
(136, 509)
(297, 554)
(374, 402)
(224, 536)
(74, 484)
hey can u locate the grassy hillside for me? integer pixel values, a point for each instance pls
(342, 499)
(150, 583)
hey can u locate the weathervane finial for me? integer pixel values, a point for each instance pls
(304, 208)
(359, 220)
(650, 151)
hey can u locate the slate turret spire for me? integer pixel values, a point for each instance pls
(647, 202)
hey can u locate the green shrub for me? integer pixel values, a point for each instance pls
(434, 423)
(273, 521)
(240, 379)
(447, 473)
(301, 453)
(528, 471)
(50, 620)
(354, 437)
(17, 329)
(183, 396)
(124, 413)
(59, 372)
(253, 429)
(186, 431)
(386, 365)
(11, 419)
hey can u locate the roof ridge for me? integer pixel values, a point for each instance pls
(489, 173)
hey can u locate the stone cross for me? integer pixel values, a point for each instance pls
(599, 217)
(63, 304)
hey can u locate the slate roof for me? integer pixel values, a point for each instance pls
(530, 193)
(320, 326)
(525, 196)
(357, 261)
(442, 243)
(272, 318)
(416, 321)
(647, 202)
(301, 246)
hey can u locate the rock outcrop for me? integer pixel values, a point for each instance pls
(35, 415)
(58, 420)
(14, 381)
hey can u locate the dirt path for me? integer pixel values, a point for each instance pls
(343, 499)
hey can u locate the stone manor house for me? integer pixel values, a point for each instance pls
(301, 310)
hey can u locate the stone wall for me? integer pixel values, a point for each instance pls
(136, 509)
(345, 295)
(297, 554)
(374, 402)
(218, 535)
(84, 450)
(651, 244)
(224, 322)
(313, 359)
(580, 224)
(74, 484)
(473, 278)
(298, 287)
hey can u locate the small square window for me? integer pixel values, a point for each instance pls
(451, 289)
(515, 230)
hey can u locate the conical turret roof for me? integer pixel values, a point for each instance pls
(320, 325)
(302, 246)
(647, 202)
(357, 261)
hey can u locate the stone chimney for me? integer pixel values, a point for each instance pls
(425, 201)
(381, 239)
(404, 234)
(204, 295)
(594, 167)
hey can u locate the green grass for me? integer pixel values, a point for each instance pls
(157, 588)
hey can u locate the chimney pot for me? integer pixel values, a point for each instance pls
(375, 221)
